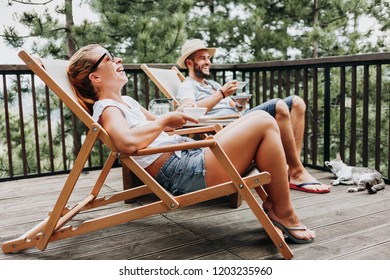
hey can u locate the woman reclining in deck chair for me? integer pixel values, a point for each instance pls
(98, 78)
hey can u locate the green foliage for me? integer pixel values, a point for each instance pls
(46, 30)
(151, 31)
(12, 37)
(142, 31)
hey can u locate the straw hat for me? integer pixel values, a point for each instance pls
(191, 46)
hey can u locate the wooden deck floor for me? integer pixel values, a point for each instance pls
(349, 226)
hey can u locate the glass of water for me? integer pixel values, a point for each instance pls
(161, 106)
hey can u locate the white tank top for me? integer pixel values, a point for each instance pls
(135, 117)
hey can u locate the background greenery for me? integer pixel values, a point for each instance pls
(147, 31)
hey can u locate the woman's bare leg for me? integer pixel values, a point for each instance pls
(249, 139)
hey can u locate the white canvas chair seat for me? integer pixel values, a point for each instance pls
(168, 82)
(56, 225)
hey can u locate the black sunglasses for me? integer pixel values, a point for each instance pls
(108, 54)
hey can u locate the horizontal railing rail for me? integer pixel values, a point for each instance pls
(347, 99)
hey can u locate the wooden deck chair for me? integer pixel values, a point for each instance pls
(179, 74)
(168, 82)
(55, 227)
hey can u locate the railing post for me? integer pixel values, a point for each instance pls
(326, 113)
(366, 122)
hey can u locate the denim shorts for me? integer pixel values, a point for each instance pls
(270, 105)
(185, 174)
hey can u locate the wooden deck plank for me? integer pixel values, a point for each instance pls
(117, 244)
(377, 252)
(163, 239)
(351, 240)
(223, 255)
(187, 251)
(348, 225)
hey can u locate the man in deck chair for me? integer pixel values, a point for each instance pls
(289, 113)
(98, 77)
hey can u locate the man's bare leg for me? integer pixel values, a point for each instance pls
(297, 120)
(297, 172)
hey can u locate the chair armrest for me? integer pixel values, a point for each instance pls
(210, 142)
(200, 129)
(233, 116)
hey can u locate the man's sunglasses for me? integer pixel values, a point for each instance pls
(108, 54)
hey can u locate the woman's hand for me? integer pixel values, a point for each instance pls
(174, 120)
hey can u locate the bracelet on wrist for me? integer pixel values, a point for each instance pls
(223, 95)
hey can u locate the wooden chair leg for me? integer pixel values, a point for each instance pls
(130, 180)
(235, 200)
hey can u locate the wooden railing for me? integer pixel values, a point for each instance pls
(347, 98)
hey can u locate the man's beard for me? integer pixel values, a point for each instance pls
(199, 73)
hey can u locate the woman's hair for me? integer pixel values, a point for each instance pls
(78, 72)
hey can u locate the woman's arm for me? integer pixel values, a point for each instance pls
(151, 117)
(128, 140)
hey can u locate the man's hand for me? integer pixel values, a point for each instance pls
(229, 88)
(241, 103)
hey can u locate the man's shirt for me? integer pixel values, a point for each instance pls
(196, 91)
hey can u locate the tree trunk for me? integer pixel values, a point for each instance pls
(69, 28)
(315, 23)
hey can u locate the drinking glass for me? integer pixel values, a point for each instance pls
(240, 85)
(161, 106)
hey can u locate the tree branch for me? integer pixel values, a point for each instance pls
(21, 37)
(30, 3)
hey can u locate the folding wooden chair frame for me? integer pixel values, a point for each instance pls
(54, 226)
(168, 81)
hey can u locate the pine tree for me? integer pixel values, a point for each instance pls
(52, 34)
(154, 31)
(142, 31)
